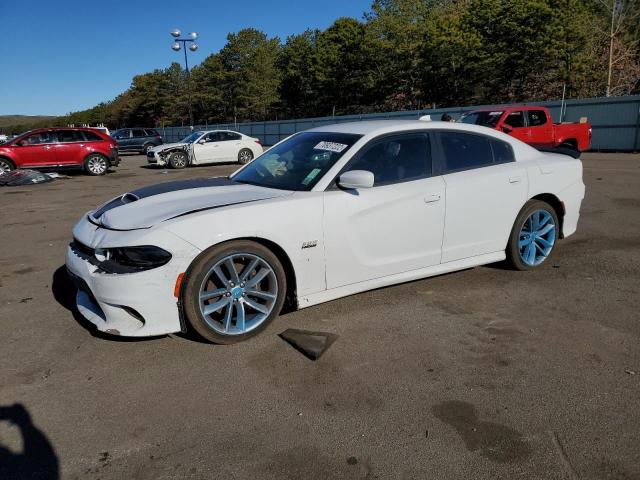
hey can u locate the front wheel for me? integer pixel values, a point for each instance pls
(96, 164)
(233, 291)
(245, 156)
(533, 236)
(178, 160)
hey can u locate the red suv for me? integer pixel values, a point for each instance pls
(57, 148)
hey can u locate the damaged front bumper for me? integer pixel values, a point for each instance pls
(132, 304)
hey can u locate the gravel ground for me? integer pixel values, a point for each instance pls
(486, 373)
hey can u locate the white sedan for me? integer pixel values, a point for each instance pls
(204, 147)
(326, 213)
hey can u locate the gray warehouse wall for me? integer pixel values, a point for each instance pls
(615, 121)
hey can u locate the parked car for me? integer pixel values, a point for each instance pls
(138, 140)
(202, 147)
(533, 125)
(325, 213)
(58, 148)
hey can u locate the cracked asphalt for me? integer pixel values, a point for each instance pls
(486, 373)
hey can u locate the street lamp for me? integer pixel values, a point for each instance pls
(181, 43)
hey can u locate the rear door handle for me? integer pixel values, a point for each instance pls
(432, 198)
(515, 179)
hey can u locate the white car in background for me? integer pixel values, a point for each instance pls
(204, 147)
(326, 213)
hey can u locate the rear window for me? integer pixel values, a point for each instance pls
(92, 137)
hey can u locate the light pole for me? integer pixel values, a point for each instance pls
(179, 43)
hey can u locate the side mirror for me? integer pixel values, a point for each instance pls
(355, 179)
(506, 128)
(202, 141)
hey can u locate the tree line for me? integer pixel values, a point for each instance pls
(402, 55)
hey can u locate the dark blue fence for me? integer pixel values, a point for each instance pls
(615, 121)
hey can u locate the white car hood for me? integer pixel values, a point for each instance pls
(166, 146)
(148, 206)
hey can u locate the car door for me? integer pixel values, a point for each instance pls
(138, 137)
(70, 147)
(485, 190)
(393, 227)
(123, 139)
(36, 150)
(207, 149)
(540, 128)
(231, 144)
(515, 125)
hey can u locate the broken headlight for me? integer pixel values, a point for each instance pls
(131, 259)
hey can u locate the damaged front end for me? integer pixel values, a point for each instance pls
(161, 155)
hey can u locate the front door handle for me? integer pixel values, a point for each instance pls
(432, 198)
(515, 179)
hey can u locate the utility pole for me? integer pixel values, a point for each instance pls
(614, 4)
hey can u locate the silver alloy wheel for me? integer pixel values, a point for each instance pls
(147, 148)
(245, 156)
(4, 166)
(97, 164)
(238, 293)
(178, 160)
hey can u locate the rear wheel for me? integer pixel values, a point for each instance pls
(533, 236)
(96, 164)
(245, 156)
(233, 291)
(178, 160)
(6, 165)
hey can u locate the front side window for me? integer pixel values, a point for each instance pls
(396, 159)
(37, 139)
(67, 136)
(537, 118)
(515, 120)
(299, 162)
(212, 137)
(121, 134)
(463, 151)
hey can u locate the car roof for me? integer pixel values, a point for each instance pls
(507, 108)
(377, 127)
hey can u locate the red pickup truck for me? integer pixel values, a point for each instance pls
(533, 125)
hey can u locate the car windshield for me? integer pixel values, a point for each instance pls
(192, 138)
(486, 119)
(297, 163)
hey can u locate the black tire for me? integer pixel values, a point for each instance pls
(178, 160)
(570, 145)
(513, 253)
(96, 164)
(245, 156)
(6, 165)
(195, 277)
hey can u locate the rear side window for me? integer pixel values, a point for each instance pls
(138, 132)
(151, 133)
(515, 119)
(229, 136)
(502, 151)
(396, 159)
(537, 118)
(66, 136)
(92, 137)
(464, 151)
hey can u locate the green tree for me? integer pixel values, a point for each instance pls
(296, 65)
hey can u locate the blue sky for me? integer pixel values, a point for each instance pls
(61, 56)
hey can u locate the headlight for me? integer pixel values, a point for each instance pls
(131, 259)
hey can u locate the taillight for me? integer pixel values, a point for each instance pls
(257, 140)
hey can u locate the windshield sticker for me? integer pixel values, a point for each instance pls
(312, 174)
(331, 147)
(495, 113)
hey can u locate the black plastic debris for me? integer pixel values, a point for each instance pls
(311, 344)
(16, 178)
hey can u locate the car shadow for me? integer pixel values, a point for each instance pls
(38, 459)
(64, 292)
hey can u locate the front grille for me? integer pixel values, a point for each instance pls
(81, 249)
